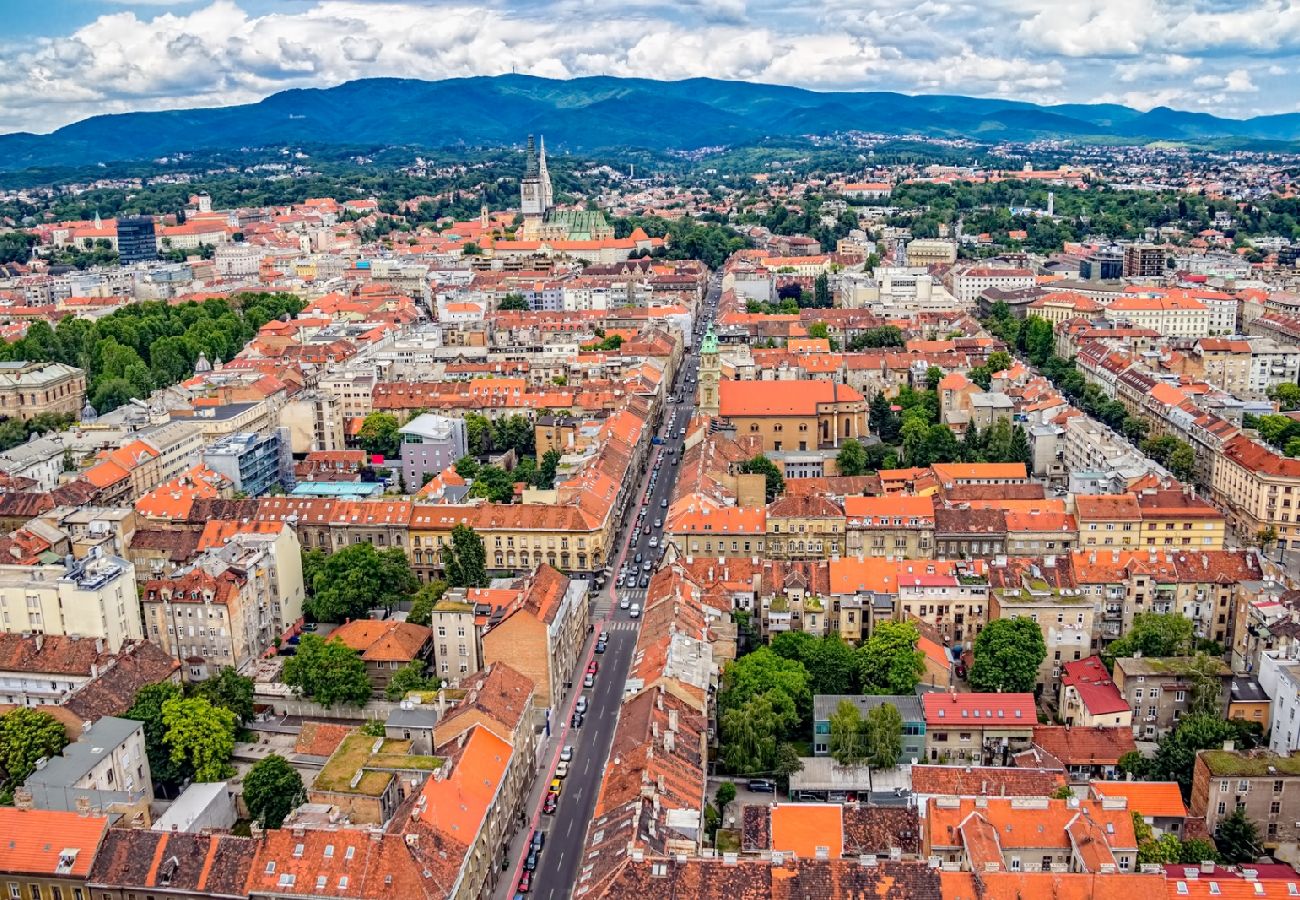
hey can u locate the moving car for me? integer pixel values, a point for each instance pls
(600, 646)
(664, 502)
(566, 754)
(548, 807)
(654, 541)
(636, 611)
(623, 601)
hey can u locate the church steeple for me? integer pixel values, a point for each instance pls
(710, 374)
(530, 186)
(545, 177)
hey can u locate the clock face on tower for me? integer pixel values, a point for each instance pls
(528, 191)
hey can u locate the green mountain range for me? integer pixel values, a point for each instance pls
(591, 114)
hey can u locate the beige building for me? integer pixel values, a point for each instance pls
(805, 527)
(1259, 489)
(29, 389)
(901, 526)
(1267, 787)
(1046, 594)
(1160, 689)
(543, 634)
(1108, 520)
(794, 415)
(93, 597)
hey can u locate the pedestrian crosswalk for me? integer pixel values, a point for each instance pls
(621, 625)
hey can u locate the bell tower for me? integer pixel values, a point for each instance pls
(710, 374)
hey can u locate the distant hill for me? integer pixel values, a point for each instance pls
(600, 113)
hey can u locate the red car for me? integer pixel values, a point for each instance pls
(525, 882)
(593, 667)
(548, 807)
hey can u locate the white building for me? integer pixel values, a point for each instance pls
(1279, 676)
(968, 285)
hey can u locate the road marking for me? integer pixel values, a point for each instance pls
(568, 831)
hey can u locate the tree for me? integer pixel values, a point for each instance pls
(477, 431)
(848, 743)
(1266, 537)
(426, 598)
(726, 794)
(941, 445)
(761, 465)
(379, 435)
(328, 672)
(1062, 793)
(874, 338)
(884, 729)
(1008, 653)
(1155, 634)
(1287, 396)
(272, 790)
(1182, 463)
(1163, 850)
(764, 672)
(998, 361)
(916, 441)
(229, 690)
(889, 662)
(1176, 754)
(822, 292)
(832, 666)
(147, 708)
(410, 677)
(1020, 450)
(787, 763)
(353, 580)
(1196, 850)
(513, 301)
(464, 560)
(544, 478)
(27, 735)
(884, 420)
(200, 736)
(1238, 839)
(750, 731)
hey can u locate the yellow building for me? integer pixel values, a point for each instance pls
(1108, 520)
(811, 527)
(1259, 490)
(1180, 519)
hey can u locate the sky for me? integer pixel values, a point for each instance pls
(65, 60)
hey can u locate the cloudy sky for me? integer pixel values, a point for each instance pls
(63, 60)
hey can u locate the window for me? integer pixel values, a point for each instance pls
(1015, 864)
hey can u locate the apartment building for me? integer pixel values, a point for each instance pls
(92, 597)
(41, 670)
(804, 527)
(1031, 834)
(1266, 786)
(430, 443)
(1259, 489)
(1088, 696)
(1172, 518)
(542, 634)
(1044, 591)
(1144, 261)
(978, 729)
(897, 526)
(969, 284)
(1108, 520)
(1159, 690)
(106, 765)
(909, 707)
(29, 389)
(254, 463)
(950, 599)
(48, 853)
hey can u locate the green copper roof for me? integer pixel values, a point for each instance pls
(710, 342)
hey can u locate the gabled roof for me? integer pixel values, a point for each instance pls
(1159, 799)
(983, 710)
(1080, 746)
(383, 640)
(48, 843)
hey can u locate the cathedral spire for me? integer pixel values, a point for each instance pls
(548, 199)
(530, 159)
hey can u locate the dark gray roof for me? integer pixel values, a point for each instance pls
(908, 705)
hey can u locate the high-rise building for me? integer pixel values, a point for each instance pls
(136, 241)
(254, 462)
(1143, 261)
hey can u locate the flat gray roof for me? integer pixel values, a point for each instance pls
(909, 706)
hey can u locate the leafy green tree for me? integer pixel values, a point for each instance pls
(933, 375)
(889, 662)
(875, 338)
(513, 302)
(478, 431)
(848, 740)
(1008, 653)
(147, 708)
(1182, 463)
(1197, 850)
(1237, 838)
(999, 360)
(328, 672)
(941, 445)
(1154, 634)
(464, 560)
(272, 790)
(726, 794)
(822, 292)
(229, 690)
(27, 735)
(750, 732)
(1163, 850)
(787, 763)
(353, 580)
(410, 677)
(1287, 396)
(761, 465)
(544, 479)
(200, 737)
(884, 420)
(915, 435)
(884, 730)
(426, 598)
(832, 666)
(763, 672)
(380, 435)
(1176, 754)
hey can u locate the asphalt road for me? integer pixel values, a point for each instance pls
(566, 830)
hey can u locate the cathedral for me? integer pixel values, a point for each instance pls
(542, 221)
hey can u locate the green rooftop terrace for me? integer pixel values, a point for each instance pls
(1236, 764)
(377, 769)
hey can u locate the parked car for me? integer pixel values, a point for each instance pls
(604, 637)
(548, 806)
(658, 522)
(562, 770)
(566, 755)
(600, 646)
(762, 786)
(556, 784)
(593, 667)
(588, 680)
(525, 882)
(576, 721)
(539, 840)
(530, 861)
(654, 541)
(581, 707)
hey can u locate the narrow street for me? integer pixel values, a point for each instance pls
(566, 828)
